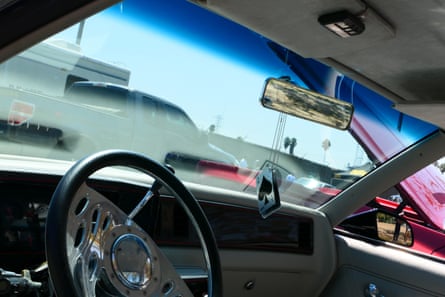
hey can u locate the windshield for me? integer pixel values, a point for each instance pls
(171, 86)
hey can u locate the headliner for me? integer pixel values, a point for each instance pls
(400, 54)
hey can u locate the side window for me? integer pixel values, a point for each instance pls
(70, 79)
(104, 99)
(178, 120)
(150, 110)
(176, 117)
(409, 214)
(163, 115)
(392, 218)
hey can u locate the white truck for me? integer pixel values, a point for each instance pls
(37, 70)
(32, 108)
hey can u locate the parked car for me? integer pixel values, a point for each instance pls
(312, 183)
(291, 88)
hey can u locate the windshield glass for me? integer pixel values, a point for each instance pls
(171, 86)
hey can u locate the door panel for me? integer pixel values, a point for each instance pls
(394, 272)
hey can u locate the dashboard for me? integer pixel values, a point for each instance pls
(24, 204)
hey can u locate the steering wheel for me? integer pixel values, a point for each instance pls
(94, 247)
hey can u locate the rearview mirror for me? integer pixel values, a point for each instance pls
(284, 96)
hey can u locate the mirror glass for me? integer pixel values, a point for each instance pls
(392, 229)
(284, 96)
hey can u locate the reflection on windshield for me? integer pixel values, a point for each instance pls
(191, 104)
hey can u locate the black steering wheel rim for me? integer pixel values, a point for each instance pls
(56, 225)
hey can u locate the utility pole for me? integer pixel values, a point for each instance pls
(80, 32)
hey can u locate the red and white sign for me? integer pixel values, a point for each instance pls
(20, 112)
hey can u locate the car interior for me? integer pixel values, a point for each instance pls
(118, 223)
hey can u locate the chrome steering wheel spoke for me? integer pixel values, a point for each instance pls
(90, 217)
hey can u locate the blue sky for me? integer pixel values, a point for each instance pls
(164, 66)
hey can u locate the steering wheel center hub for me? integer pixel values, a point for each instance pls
(131, 261)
